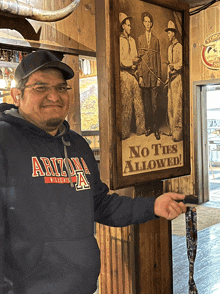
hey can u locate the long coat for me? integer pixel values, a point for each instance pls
(150, 60)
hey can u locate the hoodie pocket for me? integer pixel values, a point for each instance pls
(65, 265)
(22, 258)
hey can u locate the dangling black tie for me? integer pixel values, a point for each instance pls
(191, 241)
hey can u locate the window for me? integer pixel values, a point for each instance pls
(9, 60)
(89, 102)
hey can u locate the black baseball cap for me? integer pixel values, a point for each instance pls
(39, 60)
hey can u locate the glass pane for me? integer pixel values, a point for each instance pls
(213, 127)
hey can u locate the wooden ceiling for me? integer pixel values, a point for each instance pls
(196, 3)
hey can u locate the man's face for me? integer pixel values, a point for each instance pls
(147, 23)
(127, 27)
(171, 35)
(46, 109)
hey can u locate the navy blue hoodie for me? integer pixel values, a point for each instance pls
(51, 193)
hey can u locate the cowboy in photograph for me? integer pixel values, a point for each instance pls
(174, 81)
(130, 91)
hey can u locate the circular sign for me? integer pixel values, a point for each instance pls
(211, 51)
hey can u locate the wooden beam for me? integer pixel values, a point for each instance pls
(74, 117)
(31, 45)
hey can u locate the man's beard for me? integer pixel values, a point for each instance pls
(54, 122)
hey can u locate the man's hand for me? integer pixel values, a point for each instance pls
(141, 82)
(166, 206)
(166, 83)
(158, 83)
(171, 66)
(136, 60)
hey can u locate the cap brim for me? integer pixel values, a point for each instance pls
(67, 71)
(170, 29)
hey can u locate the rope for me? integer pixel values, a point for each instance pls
(159, 79)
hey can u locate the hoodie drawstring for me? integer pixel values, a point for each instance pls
(67, 161)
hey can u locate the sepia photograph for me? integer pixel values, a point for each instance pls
(150, 94)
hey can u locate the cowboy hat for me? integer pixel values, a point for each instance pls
(123, 17)
(170, 27)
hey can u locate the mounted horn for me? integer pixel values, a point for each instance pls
(14, 7)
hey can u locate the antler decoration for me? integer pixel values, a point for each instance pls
(14, 7)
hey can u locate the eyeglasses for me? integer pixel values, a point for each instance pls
(44, 88)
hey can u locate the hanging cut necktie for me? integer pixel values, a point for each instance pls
(191, 241)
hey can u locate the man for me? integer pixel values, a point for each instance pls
(150, 73)
(174, 81)
(51, 190)
(130, 90)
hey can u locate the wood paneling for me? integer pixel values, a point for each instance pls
(117, 247)
(76, 32)
(117, 259)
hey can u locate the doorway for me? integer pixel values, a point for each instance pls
(206, 117)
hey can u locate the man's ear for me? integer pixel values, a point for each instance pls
(16, 95)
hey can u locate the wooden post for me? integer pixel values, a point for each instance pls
(153, 249)
(74, 117)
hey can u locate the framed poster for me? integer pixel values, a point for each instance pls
(149, 65)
